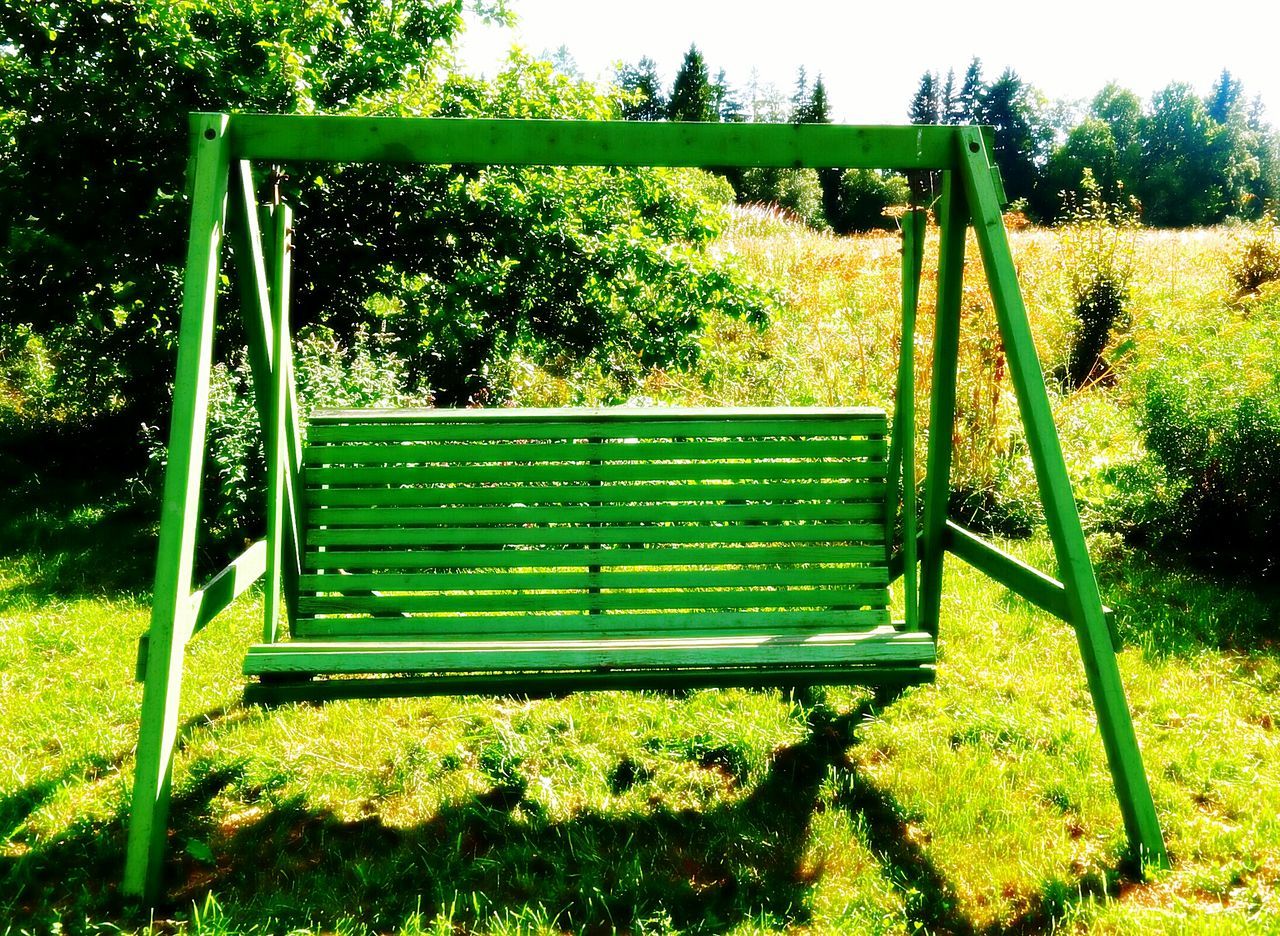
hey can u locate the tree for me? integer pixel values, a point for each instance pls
(815, 107)
(947, 102)
(691, 94)
(926, 106)
(1177, 184)
(725, 100)
(644, 99)
(1120, 109)
(1226, 101)
(1022, 137)
(765, 103)
(965, 110)
(800, 96)
(1090, 148)
(92, 193)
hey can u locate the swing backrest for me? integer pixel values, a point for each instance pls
(507, 524)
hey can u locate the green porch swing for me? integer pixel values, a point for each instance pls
(530, 551)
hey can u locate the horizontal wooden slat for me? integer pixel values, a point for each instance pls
(561, 558)
(651, 493)
(548, 581)
(370, 517)
(883, 645)
(555, 452)
(580, 625)
(850, 596)
(535, 415)
(846, 426)
(564, 536)
(642, 471)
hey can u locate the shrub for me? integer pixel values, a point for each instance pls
(1099, 242)
(329, 372)
(865, 196)
(1211, 414)
(1257, 258)
(796, 190)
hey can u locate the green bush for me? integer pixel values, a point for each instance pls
(1211, 415)
(1098, 240)
(357, 372)
(796, 190)
(866, 195)
(1257, 258)
(472, 265)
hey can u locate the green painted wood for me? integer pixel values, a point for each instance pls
(251, 276)
(614, 471)
(370, 517)
(620, 556)
(580, 624)
(914, 226)
(882, 645)
(942, 409)
(657, 492)
(1084, 602)
(1043, 591)
(550, 581)
(550, 452)
(849, 595)
(604, 415)
(535, 685)
(574, 536)
(172, 609)
(854, 425)
(228, 585)
(276, 445)
(279, 138)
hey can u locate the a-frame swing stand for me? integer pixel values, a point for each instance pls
(436, 551)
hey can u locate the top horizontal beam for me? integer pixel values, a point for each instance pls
(480, 141)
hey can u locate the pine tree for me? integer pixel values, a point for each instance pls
(1226, 100)
(815, 108)
(1021, 134)
(925, 105)
(691, 96)
(800, 96)
(947, 108)
(642, 82)
(966, 105)
(725, 100)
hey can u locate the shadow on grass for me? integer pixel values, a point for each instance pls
(69, 520)
(495, 855)
(1170, 609)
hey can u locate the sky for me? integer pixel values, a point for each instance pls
(871, 55)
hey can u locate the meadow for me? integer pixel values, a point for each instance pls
(979, 804)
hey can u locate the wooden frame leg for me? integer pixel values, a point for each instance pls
(1084, 601)
(942, 399)
(172, 610)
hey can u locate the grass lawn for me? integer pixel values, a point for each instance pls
(979, 804)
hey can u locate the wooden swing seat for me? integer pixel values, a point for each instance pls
(549, 550)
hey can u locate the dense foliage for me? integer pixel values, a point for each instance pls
(1211, 415)
(96, 96)
(1188, 160)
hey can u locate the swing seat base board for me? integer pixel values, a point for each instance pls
(883, 656)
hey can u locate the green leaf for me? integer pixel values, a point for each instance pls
(200, 851)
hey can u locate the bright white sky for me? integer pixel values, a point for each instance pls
(871, 55)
